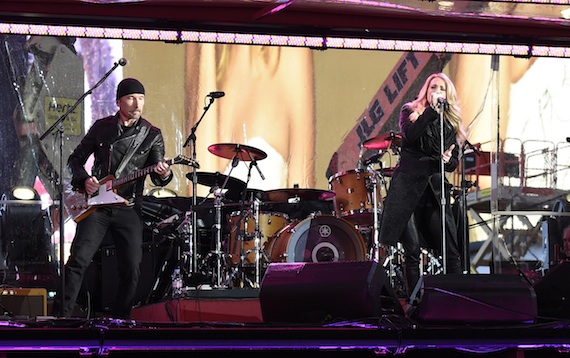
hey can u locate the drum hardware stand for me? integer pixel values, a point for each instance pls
(431, 265)
(241, 236)
(375, 250)
(218, 253)
(185, 230)
(395, 268)
(257, 244)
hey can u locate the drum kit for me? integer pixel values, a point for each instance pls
(253, 228)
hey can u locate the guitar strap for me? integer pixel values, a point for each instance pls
(143, 132)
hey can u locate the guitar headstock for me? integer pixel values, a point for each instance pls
(184, 160)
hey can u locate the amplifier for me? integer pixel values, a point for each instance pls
(30, 302)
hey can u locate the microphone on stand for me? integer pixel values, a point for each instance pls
(122, 61)
(235, 161)
(254, 163)
(472, 147)
(217, 94)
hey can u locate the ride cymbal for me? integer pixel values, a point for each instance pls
(243, 152)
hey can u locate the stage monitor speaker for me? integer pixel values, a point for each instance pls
(475, 299)
(305, 292)
(553, 292)
(28, 302)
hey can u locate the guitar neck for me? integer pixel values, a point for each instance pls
(135, 175)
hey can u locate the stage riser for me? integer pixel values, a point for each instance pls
(242, 310)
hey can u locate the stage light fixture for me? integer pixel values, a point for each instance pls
(25, 193)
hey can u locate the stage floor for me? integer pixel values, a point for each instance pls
(210, 323)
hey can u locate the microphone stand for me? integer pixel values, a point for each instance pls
(443, 198)
(192, 139)
(61, 130)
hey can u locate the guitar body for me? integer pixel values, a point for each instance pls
(80, 205)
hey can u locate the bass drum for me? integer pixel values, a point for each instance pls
(317, 239)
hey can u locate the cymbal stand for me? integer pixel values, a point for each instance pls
(257, 234)
(374, 179)
(218, 252)
(257, 244)
(217, 275)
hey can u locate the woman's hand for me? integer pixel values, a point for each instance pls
(446, 156)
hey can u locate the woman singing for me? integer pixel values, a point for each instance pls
(412, 209)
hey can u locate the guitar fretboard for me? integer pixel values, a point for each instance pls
(136, 174)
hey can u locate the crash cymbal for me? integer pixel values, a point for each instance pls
(245, 153)
(218, 179)
(283, 195)
(383, 141)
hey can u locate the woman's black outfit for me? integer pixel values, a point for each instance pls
(412, 206)
(119, 151)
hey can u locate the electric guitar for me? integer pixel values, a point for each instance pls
(79, 204)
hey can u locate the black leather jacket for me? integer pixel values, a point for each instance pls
(107, 141)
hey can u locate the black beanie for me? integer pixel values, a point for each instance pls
(129, 86)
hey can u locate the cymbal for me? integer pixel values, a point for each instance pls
(245, 153)
(383, 141)
(283, 195)
(218, 179)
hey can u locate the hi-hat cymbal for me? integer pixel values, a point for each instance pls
(283, 195)
(218, 179)
(245, 153)
(383, 141)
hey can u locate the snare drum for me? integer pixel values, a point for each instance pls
(317, 239)
(354, 195)
(269, 224)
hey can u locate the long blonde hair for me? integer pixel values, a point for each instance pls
(452, 113)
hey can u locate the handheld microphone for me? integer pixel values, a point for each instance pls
(122, 61)
(442, 100)
(216, 94)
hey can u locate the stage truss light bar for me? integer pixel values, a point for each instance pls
(314, 42)
(428, 46)
(547, 51)
(84, 31)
